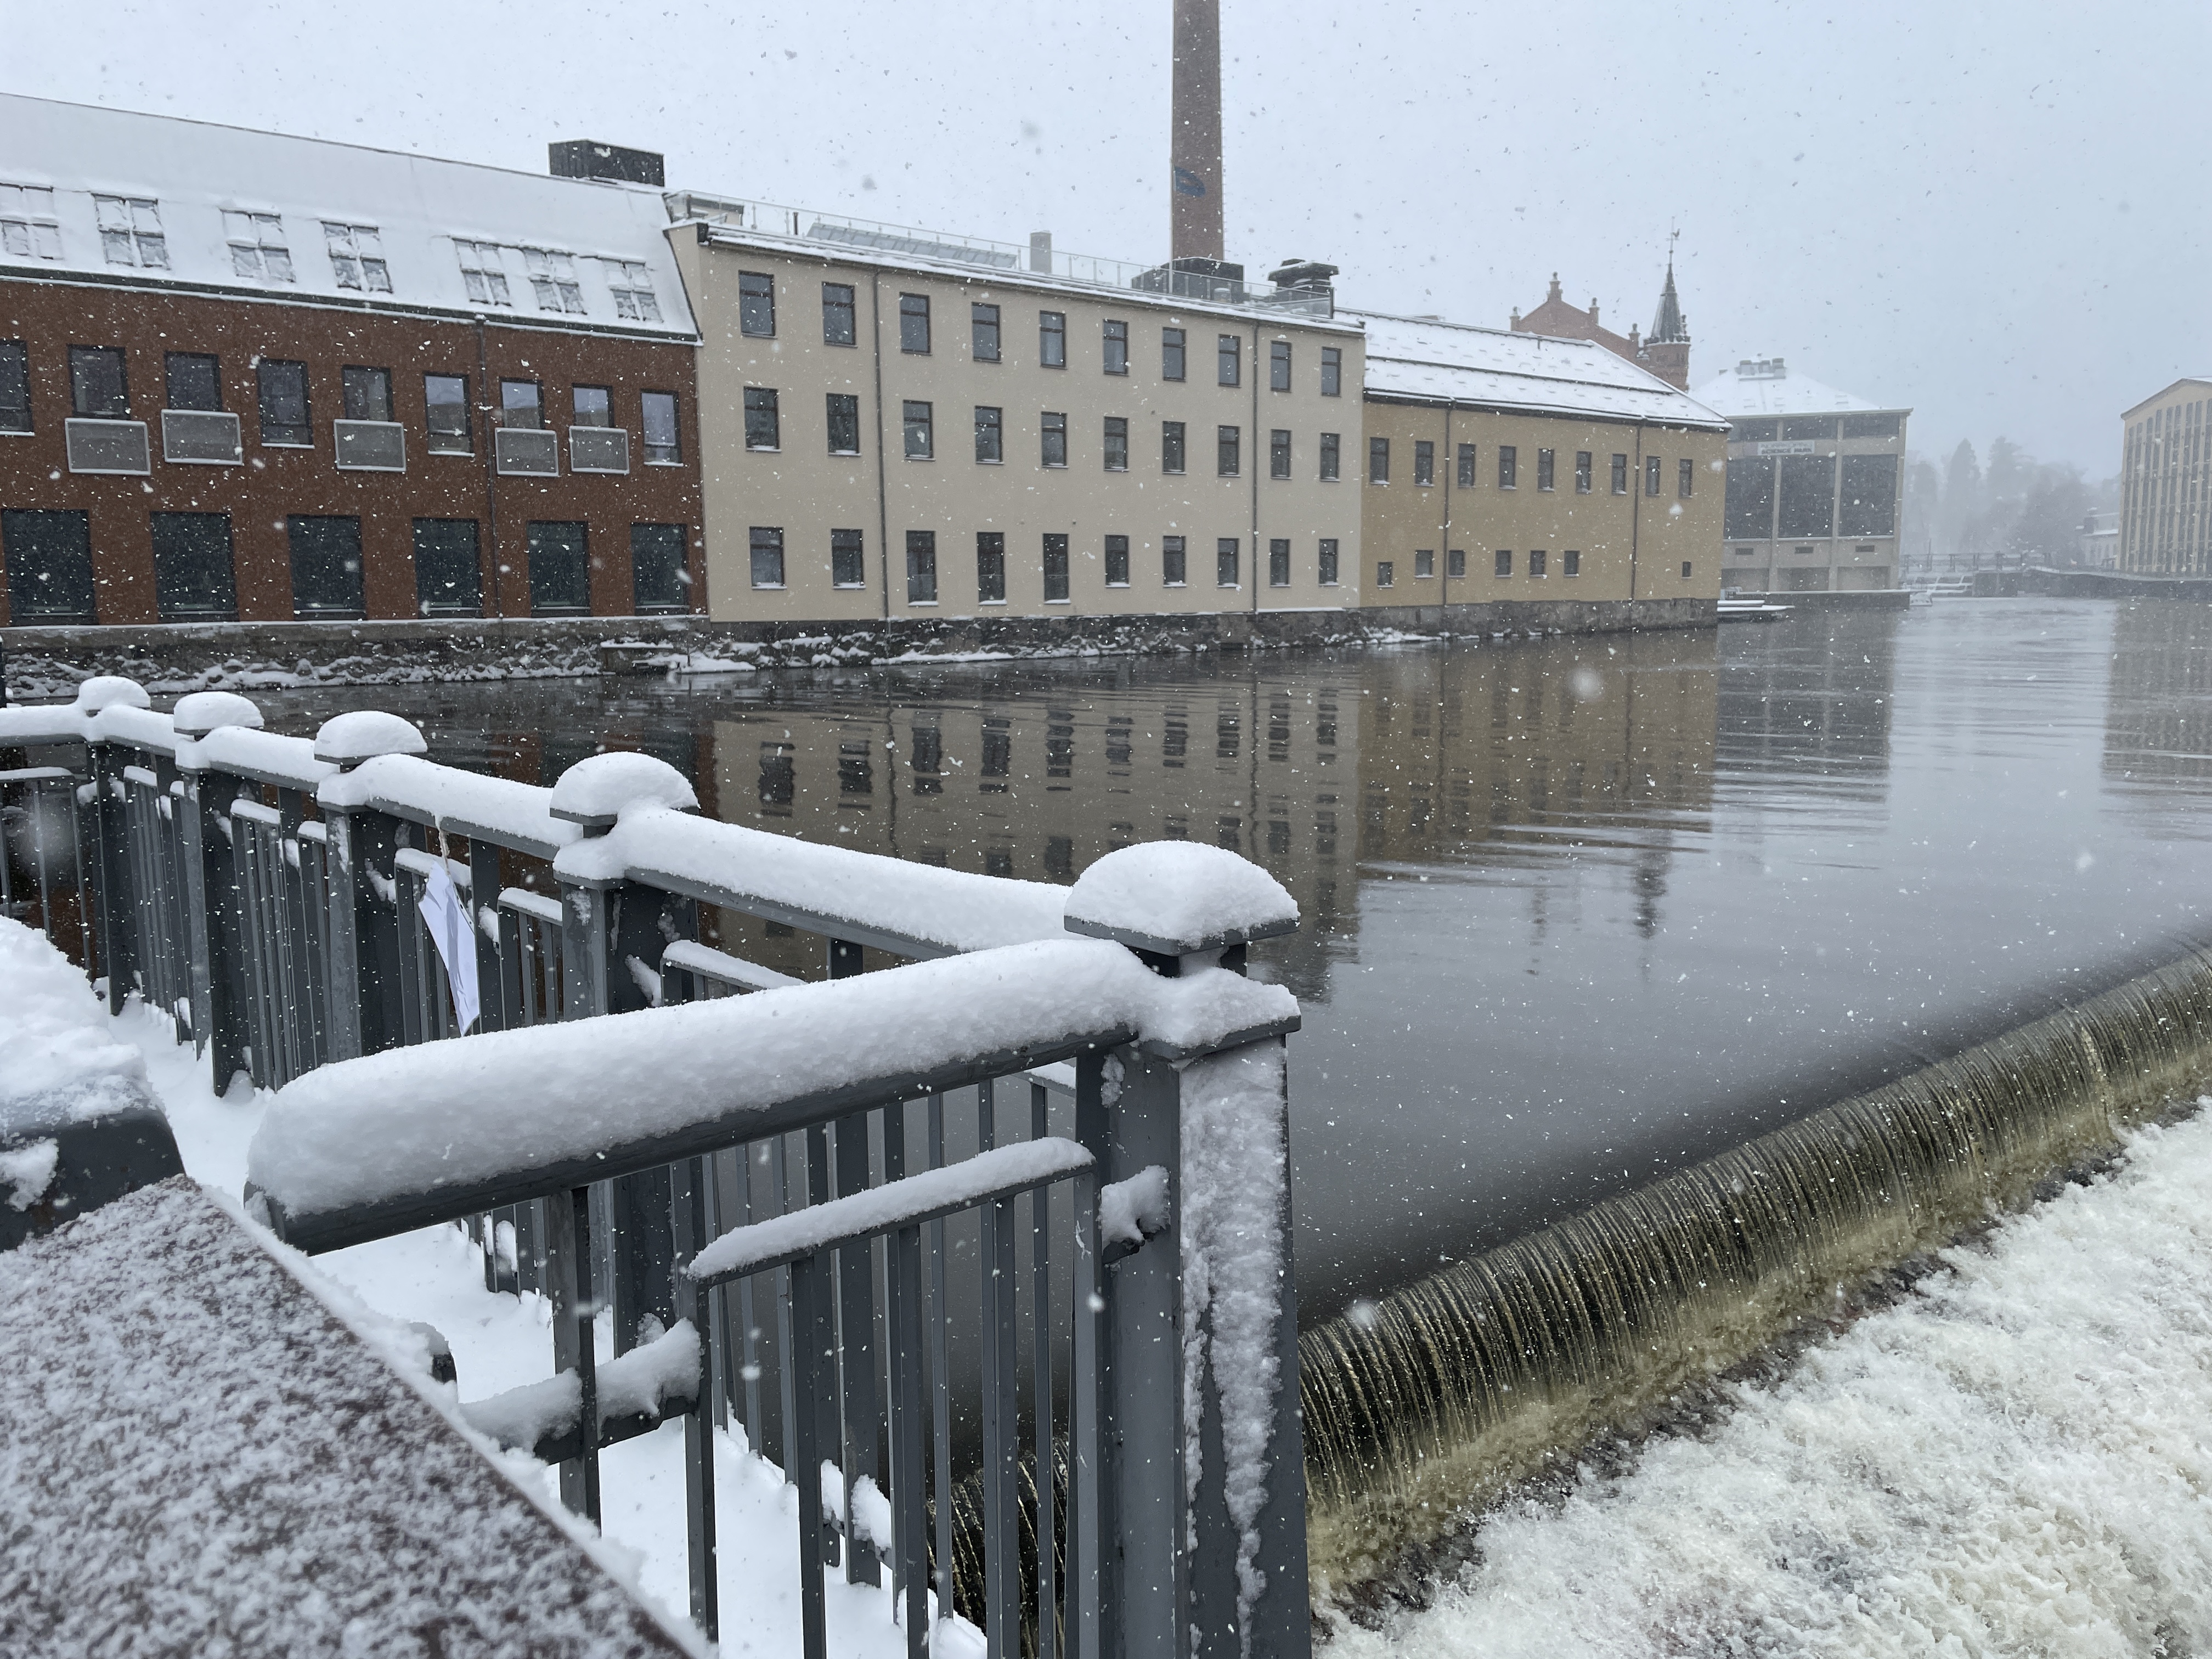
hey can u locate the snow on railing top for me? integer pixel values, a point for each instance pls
(373, 1146)
(362, 734)
(1176, 896)
(198, 713)
(516, 815)
(596, 789)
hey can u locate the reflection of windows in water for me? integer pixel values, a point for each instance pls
(1225, 735)
(1278, 838)
(927, 756)
(1230, 832)
(1059, 743)
(856, 773)
(1174, 830)
(1059, 858)
(1279, 731)
(933, 855)
(778, 778)
(1325, 834)
(1118, 733)
(1174, 740)
(997, 861)
(1119, 835)
(1325, 725)
(998, 749)
(778, 930)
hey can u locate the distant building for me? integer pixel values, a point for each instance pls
(1505, 467)
(2101, 540)
(2166, 523)
(1815, 478)
(1665, 352)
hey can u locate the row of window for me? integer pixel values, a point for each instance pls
(1425, 564)
(50, 570)
(1507, 457)
(1819, 428)
(100, 389)
(130, 233)
(756, 316)
(848, 564)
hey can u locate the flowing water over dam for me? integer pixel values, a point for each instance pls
(1580, 914)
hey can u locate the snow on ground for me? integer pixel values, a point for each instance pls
(2017, 1459)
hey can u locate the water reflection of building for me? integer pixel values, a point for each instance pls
(1815, 706)
(2158, 711)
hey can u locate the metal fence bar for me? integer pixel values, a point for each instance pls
(1041, 1368)
(940, 1386)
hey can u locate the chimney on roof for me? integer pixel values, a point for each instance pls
(586, 158)
(1195, 138)
(1041, 250)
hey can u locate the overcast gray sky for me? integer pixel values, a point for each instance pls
(1999, 216)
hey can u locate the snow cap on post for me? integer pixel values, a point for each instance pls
(597, 790)
(1175, 898)
(201, 712)
(110, 691)
(346, 740)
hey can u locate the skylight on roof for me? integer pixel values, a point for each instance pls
(131, 231)
(257, 248)
(482, 272)
(28, 228)
(357, 257)
(553, 280)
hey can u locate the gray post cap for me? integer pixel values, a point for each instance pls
(111, 691)
(365, 733)
(594, 791)
(201, 712)
(1174, 898)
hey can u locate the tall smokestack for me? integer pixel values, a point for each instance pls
(1194, 146)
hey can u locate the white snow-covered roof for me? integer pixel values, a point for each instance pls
(1769, 387)
(156, 201)
(1501, 368)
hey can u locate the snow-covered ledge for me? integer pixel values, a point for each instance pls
(1180, 900)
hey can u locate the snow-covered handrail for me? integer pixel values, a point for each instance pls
(471, 804)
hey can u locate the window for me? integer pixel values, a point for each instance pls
(663, 447)
(631, 286)
(1378, 460)
(326, 566)
(593, 405)
(1171, 446)
(519, 405)
(1546, 475)
(1224, 561)
(767, 543)
(443, 394)
(1328, 562)
(984, 332)
(1651, 475)
(1620, 475)
(1229, 360)
(1684, 477)
(1332, 372)
(1424, 462)
(1685, 570)
(366, 395)
(848, 559)
(257, 248)
(1055, 569)
(1386, 573)
(98, 390)
(1279, 563)
(921, 567)
(1332, 445)
(28, 227)
(989, 429)
(660, 577)
(1869, 494)
(194, 381)
(1171, 354)
(837, 314)
(990, 567)
(1467, 466)
(358, 262)
(14, 386)
(448, 577)
(1855, 426)
(1117, 443)
(1536, 562)
(1819, 427)
(914, 324)
(764, 421)
(483, 273)
(1117, 561)
(49, 560)
(1278, 365)
(920, 436)
(1570, 563)
(553, 280)
(131, 235)
(843, 412)
(1509, 466)
(1172, 572)
(1278, 453)
(756, 304)
(1745, 432)
(283, 397)
(1116, 346)
(1051, 339)
(1424, 562)
(1503, 565)
(193, 578)
(1455, 563)
(1052, 430)
(1581, 472)
(560, 570)
(1228, 448)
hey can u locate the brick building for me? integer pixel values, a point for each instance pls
(1665, 352)
(251, 377)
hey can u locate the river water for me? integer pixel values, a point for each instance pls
(1577, 911)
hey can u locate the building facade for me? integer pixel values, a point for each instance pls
(252, 378)
(894, 427)
(1815, 483)
(1505, 467)
(2165, 464)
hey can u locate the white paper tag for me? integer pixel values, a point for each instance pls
(447, 919)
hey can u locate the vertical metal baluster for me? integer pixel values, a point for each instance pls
(826, 1403)
(909, 1501)
(858, 1411)
(588, 1352)
(690, 1210)
(940, 1384)
(1002, 1407)
(1041, 1363)
(810, 1290)
(786, 1352)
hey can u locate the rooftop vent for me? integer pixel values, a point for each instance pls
(1761, 369)
(585, 158)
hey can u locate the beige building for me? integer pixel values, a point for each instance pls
(1815, 483)
(2165, 466)
(893, 426)
(1510, 469)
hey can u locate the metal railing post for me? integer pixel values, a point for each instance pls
(365, 1014)
(119, 919)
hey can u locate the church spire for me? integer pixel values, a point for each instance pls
(1668, 327)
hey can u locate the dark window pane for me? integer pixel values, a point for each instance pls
(920, 437)
(1327, 563)
(1685, 474)
(1537, 560)
(756, 303)
(837, 314)
(283, 398)
(1278, 366)
(848, 560)
(367, 395)
(763, 424)
(1504, 566)
(1116, 347)
(14, 386)
(1651, 475)
(1172, 558)
(1581, 472)
(193, 581)
(1224, 561)
(990, 567)
(560, 571)
(913, 323)
(1759, 431)
(1454, 562)
(1054, 432)
(921, 566)
(1467, 466)
(49, 557)
(844, 415)
(448, 578)
(195, 380)
(1055, 569)
(1509, 466)
(1818, 427)
(1332, 372)
(1051, 339)
(1570, 563)
(97, 388)
(326, 565)
(1171, 354)
(1424, 462)
(446, 397)
(1424, 562)
(662, 442)
(1228, 451)
(1546, 469)
(1278, 453)
(1117, 444)
(1869, 503)
(1331, 449)
(778, 778)
(766, 556)
(990, 433)
(1864, 426)
(1807, 487)
(1117, 561)
(519, 405)
(1279, 563)
(1229, 359)
(660, 572)
(1620, 475)
(1171, 446)
(593, 405)
(1378, 460)
(983, 321)
(1750, 509)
